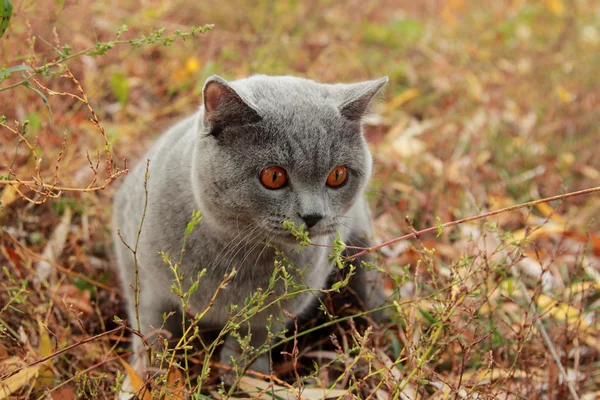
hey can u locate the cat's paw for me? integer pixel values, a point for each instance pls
(232, 357)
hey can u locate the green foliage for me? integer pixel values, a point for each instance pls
(300, 233)
(396, 34)
(120, 87)
(6, 9)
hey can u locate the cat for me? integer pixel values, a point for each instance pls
(261, 150)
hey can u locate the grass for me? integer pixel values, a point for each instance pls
(490, 104)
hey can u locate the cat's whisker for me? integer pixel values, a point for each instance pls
(240, 246)
(233, 243)
(247, 255)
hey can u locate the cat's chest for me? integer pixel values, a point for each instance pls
(292, 282)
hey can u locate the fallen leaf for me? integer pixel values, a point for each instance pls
(55, 246)
(71, 295)
(556, 7)
(136, 381)
(46, 375)
(176, 384)
(18, 380)
(9, 194)
(10, 364)
(66, 393)
(260, 389)
(402, 98)
(564, 95)
(549, 212)
(559, 310)
(3, 352)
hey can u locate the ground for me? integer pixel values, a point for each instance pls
(490, 104)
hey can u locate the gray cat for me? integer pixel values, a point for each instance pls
(261, 151)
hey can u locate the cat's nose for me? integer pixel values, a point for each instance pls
(311, 219)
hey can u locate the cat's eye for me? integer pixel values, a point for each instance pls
(337, 177)
(273, 177)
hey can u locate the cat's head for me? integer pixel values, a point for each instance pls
(275, 149)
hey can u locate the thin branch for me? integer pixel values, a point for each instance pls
(463, 220)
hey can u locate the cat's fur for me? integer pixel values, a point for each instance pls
(211, 162)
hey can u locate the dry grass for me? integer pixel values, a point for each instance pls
(490, 104)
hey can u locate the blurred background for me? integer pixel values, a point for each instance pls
(490, 104)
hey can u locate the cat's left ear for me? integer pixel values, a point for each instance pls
(358, 96)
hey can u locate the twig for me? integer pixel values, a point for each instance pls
(463, 220)
(83, 341)
(548, 342)
(523, 287)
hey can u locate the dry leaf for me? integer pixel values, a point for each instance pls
(549, 212)
(55, 246)
(71, 295)
(46, 375)
(3, 352)
(260, 389)
(18, 380)
(559, 310)
(66, 393)
(176, 385)
(557, 7)
(136, 381)
(9, 194)
(402, 98)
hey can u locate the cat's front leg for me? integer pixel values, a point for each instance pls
(367, 282)
(152, 327)
(232, 354)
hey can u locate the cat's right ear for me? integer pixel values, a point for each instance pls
(223, 106)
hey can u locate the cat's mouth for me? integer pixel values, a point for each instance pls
(280, 233)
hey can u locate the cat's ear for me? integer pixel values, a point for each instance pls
(223, 106)
(358, 96)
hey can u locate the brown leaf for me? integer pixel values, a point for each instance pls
(66, 393)
(18, 380)
(71, 295)
(46, 375)
(137, 383)
(176, 384)
(55, 246)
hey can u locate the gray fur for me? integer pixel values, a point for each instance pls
(211, 162)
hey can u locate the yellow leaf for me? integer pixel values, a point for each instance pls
(192, 64)
(559, 311)
(474, 85)
(543, 231)
(175, 384)
(137, 383)
(556, 7)
(581, 287)
(46, 376)
(548, 211)
(564, 95)
(9, 194)
(264, 390)
(18, 380)
(402, 98)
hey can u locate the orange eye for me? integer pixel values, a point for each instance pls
(337, 177)
(273, 177)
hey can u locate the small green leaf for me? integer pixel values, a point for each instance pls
(194, 288)
(83, 285)
(6, 9)
(6, 72)
(42, 95)
(427, 315)
(509, 287)
(119, 87)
